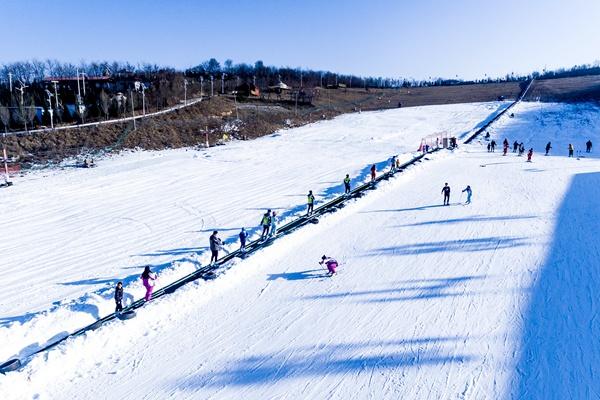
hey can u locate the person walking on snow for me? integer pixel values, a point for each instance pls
(347, 184)
(505, 149)
(148, 280)
(469, 193)
(515, 146)
(588, 146)
(548, 147)
(215, 246)
(489, 147)
(119, 297)
(446, 192)
(505, 143)
(331, 264)
(273, 224)
(311, 202)
(493, 145)
(266, 224)
(529, 154)
(243, 236)
(571, 150)
(373, 172)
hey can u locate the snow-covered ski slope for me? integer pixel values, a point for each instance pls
(74, 233)
(491, 300)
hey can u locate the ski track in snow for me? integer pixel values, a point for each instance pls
(430, 301)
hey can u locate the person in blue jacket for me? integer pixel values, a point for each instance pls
(469, 193)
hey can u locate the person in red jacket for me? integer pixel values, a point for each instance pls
(373, 172)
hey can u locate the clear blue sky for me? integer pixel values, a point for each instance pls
(397, 38)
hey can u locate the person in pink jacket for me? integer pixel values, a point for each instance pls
(148, 278)
(331, 264)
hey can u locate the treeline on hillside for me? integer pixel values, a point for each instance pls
(42, 93)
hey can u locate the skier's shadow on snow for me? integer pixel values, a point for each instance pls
(298, 275)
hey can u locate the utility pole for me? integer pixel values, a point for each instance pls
(212, 86)
(10, 81)
(185, 92)
(321, 79)
(223, 83)
(83, 74)
(237, 116)
(201, 85)
(55, 94)
(132, 109)
(301, 78)
(22, 89)
(143, 87)
(50, 110)
(5, 157)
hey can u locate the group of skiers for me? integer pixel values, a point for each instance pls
(520, 148)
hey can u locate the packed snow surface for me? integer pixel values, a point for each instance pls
(495, 299)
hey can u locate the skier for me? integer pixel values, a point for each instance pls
(347, 184)
(331, 264)
(311, 202)
(505, 150)
(489, 146)
(393, 165)
(521, 148)
(493, 145)
(446, 192)
(119, 297)
(397, 164)
(243, 236)
(148, 279)
(571, 150)
(273, 224)
(515, 146)
(588, 146)
(215, 246)
(266, 224)
(373, 172)
(469, 193)
(529, 154)
(505, 143)
(548, 147)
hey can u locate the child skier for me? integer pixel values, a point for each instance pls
(331, 264)
(446, 192)
(119, 297)
(469, 193)
(148, 279)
